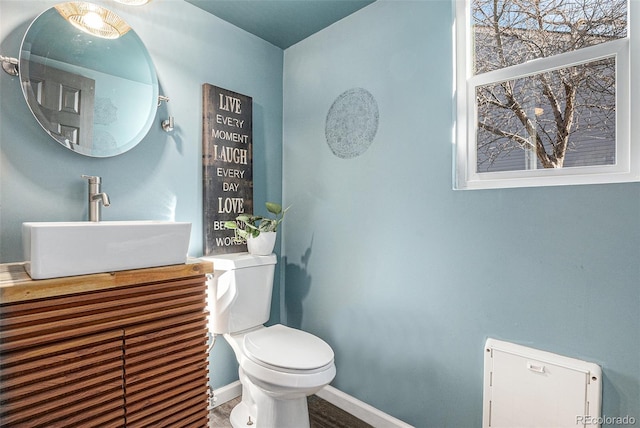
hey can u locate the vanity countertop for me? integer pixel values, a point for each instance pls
(17, 286)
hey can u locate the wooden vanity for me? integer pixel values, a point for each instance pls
(121, 349)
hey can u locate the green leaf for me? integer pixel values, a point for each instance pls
(250, 226)
(268, 225)
(230, 225)
(274, 208)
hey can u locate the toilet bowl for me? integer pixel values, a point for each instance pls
(279, 366)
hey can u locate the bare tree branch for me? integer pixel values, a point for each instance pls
(511, 32)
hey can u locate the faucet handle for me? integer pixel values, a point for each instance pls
(92, 179)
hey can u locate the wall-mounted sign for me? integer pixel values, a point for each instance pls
(227, 165)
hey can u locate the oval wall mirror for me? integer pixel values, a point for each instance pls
(95, 95)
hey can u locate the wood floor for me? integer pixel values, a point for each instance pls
(322, 414)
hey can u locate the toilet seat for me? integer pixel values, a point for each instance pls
(287, 349)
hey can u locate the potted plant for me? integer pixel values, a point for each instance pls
(259, 232)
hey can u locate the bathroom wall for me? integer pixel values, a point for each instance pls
(406, 278)
(161, 178)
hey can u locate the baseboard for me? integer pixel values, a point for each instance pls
(360, 409)
(227, 393)
(349, 404)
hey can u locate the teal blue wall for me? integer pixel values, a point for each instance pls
(406, 278)
(161, 178)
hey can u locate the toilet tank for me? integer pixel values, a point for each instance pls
(239, 291)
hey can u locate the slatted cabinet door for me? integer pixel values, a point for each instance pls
(122, 357)
(75, 382)
(165, 360)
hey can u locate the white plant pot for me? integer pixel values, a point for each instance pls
(262, 245)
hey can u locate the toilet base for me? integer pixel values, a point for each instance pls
(276, 414)
(240, 416)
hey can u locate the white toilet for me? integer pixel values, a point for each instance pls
(279, 366)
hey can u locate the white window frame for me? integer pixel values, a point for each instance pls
(627, 166)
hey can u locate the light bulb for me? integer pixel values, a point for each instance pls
(93, 20)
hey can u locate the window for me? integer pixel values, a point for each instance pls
(544, 94)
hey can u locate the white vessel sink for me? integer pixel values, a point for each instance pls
(57, 249)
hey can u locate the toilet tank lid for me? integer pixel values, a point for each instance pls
(239, 261)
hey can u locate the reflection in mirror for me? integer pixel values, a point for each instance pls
(96, 96)
(93, 19)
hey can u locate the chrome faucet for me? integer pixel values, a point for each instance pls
(96, 197)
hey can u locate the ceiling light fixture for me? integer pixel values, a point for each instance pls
(93, 19)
